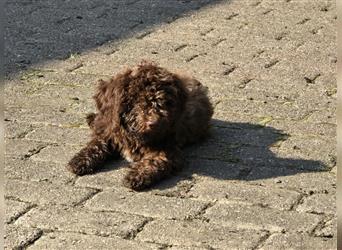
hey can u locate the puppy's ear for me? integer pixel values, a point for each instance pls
(102, 95)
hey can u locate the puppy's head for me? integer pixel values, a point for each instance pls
(150, 101)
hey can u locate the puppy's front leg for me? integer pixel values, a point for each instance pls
(90, 157)
(153, 167)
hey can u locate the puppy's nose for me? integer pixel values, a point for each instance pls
(151, 123)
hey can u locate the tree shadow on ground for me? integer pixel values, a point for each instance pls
(37, 31)
(236, 151)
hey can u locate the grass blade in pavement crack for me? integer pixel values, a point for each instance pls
(265, 120)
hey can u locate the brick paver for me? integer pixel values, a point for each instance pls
(266, 177)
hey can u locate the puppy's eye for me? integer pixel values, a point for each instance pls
(169, 103)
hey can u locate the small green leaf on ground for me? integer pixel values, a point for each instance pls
(265, 120)
(72, 125)
(331, 92)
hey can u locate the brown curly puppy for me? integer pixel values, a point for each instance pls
(146, 114)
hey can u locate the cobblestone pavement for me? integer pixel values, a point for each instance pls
(265, 179)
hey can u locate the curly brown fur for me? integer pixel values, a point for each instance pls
(147, 114)
(90, 157)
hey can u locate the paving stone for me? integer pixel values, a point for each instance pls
(319, 203)
(329, 229)
(60, 154)
(68, 112)
(38, 115)
(45, 193)
(144, 204)
(322, 116)
(75, 241)
(211, 168)
(20, 91)
(238, 117)
(214, 151)
(14, 209)
(17, 130)
(304, 148)
(111, 175)
(301, 181)
(298, 241)
(196, 234)
(20, 237)
(175, 186)
(241, 192)
(66, 79)
(259, 157)
(66, 98)
(257, 217)
(60, 135)
(108, 66)
(36, 171)
(79, 220)
(262, 109)
(314, 129)
(22, 149)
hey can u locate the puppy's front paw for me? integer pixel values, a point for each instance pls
(136, 179)
(79, 166)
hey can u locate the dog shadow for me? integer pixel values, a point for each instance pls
(236, 151)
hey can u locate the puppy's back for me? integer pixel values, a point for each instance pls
(194, 123)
